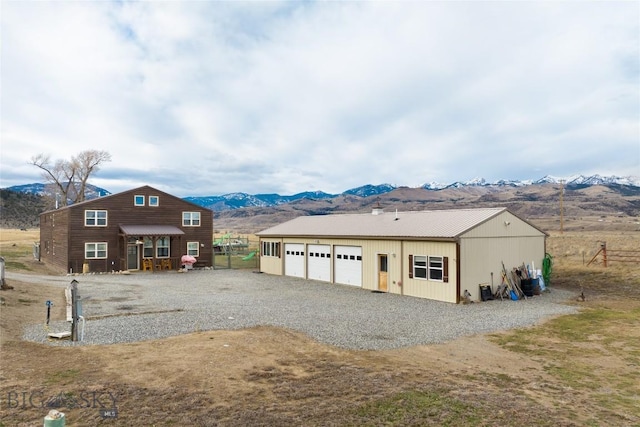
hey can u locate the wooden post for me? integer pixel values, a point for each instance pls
(2, 272)
(561, 206)
(74, 310)
(604, 253)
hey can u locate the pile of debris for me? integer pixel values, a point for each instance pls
(519, 283)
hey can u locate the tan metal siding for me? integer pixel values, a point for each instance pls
(427, 288)
(481, 257)
(370, 251)
(271, 264)
(505, 224)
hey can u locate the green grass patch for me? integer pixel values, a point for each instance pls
(62, 376)
(16, 265)
(581, 327)
(26, 301)
(406, 408)
(594, 352)
(576, 375)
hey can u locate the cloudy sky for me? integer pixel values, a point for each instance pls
(206, 98)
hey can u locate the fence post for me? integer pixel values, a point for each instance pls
(2, 272)
(74, 310)
(604, 253)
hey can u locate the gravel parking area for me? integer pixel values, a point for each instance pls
(144, 306)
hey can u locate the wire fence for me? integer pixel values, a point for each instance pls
(235, 253)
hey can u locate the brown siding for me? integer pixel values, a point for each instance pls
(121, 211)
(54, 241)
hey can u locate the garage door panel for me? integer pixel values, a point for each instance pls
(348, 265)
(294, 259)
(319, 262)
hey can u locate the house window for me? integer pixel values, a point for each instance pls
(138, 200)
(434, 268)
(193, 249)
(147, 250)
(420, 267)
(154, 201)
(271, 249)
(191, 219)
(162, 247)
(95, 218)
(95, 250)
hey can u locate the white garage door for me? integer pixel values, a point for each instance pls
(319, 262)
(294, 259)
(348, 265)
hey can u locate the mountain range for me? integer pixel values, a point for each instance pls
(232, 201)
(581, 197)
(242, 200)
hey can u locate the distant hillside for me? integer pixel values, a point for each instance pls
(234, 201)
(534, 201)
(41, 189)
(241, 212)
(20, 210)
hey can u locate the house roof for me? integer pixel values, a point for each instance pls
(101, 199)
(150, 230)
(443, 224)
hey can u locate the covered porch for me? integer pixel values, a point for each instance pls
(150, 247)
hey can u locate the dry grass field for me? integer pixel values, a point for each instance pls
(576, 370)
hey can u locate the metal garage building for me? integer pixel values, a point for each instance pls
(429, 254)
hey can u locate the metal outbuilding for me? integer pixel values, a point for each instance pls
(435, 254)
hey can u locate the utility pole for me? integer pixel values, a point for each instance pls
(561, 206)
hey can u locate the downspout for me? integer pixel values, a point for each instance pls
(401, 267)
(458, 272)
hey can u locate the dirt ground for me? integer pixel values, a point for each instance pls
(270, 376)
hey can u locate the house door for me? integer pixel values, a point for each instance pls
(133, 260)
(382, 272)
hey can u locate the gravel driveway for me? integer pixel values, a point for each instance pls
(144, 306)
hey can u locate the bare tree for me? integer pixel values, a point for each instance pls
(70, 177)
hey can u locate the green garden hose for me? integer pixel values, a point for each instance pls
(546, 269)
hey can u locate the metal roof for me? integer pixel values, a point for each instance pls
(444, 224)
(150, 230)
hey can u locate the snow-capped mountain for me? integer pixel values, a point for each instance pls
(40, 189)
(241, 200)
(370, 190)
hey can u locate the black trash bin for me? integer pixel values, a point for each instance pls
(527, 287)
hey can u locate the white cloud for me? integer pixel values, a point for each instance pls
(204, 98)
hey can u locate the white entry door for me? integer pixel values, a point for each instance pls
(294, 259)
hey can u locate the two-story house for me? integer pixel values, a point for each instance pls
(139, 229)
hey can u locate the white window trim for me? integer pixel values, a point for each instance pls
(95, 218)
(159, 247)
(440, 269)
(147, 244)
(190, 222)
(190, 246)
(96, 250)
(135, 200)
(157, 201)
(427, 268)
